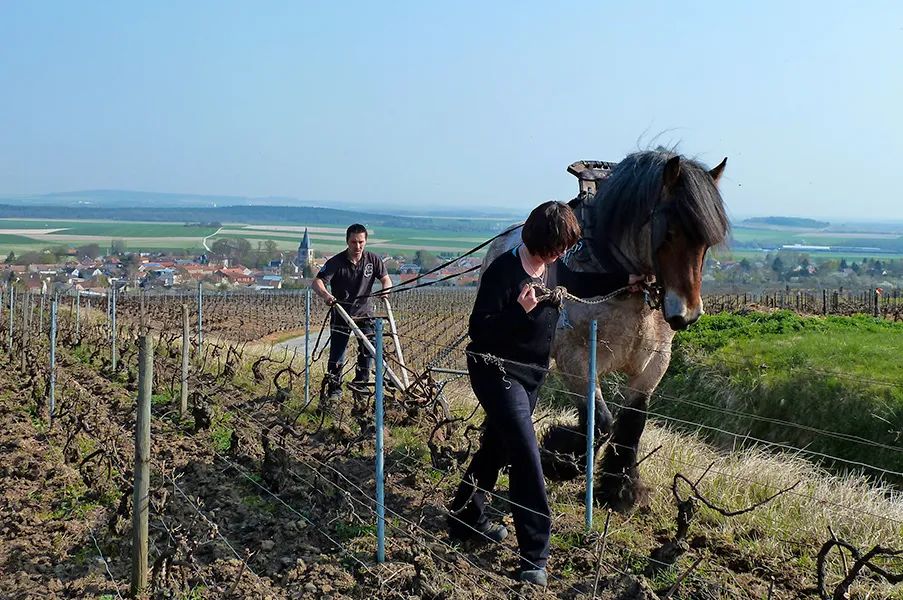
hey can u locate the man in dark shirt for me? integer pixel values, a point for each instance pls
(350, 275)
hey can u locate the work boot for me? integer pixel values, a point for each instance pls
(461, 532)
(534, 576)
(360, 383)
(332, 393)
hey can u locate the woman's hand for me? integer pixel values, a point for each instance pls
(527, 298)
(633, 281)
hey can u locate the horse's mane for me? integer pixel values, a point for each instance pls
(625, 201)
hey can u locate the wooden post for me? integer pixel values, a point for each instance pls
(78, 308)
(186, 346)
(113, 326)
(52, 385)
(201, 318)
(142, 315)
(140, 500)
(12, 316)
(26, 327)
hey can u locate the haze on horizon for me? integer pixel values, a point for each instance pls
(409, 104)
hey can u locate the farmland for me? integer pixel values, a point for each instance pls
(21, 235)
(851, 241)
(257, 492)
(404, 235)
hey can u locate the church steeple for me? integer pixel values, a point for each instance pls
(305, 251)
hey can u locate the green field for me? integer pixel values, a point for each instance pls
(819, 384)
(35, 234)
(17, 243)
(739, 254)
(22, 235)
(747, 238)
(113, 229)
(383, 239)
(7, 239)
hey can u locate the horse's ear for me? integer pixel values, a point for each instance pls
(672, 172)
(719, 170)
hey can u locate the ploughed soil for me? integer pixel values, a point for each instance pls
(254, 497)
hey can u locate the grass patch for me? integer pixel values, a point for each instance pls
(39, 424)
(82, 354)
(70, 504)
(408, 442)
(161, 399)
(221, 430)
(831, 385)
(259, 503)
(350, 531)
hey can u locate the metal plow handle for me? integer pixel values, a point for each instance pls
(369, 345)
(393, 329)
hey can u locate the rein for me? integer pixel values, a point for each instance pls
(560, 293)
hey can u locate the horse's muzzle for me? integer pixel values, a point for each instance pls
(679, 323)
(678, 317)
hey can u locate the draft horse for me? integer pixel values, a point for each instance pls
(656, 213)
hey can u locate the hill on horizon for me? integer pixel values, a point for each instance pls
(141, 199)
(251, 215)
(788, 222)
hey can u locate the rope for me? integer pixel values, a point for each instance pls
(440, 267)
(560, 293)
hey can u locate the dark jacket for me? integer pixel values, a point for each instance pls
(499, 325)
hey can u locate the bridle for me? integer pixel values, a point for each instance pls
(654, 292)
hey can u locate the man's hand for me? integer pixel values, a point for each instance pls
(386, 282)
(319, 288)
(527, 298)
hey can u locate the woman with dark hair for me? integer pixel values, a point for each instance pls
(511, 336)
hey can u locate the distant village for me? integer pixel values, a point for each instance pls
(233, 264)
(221, 269)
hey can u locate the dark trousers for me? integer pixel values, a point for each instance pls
(338, 346)
(508, 439)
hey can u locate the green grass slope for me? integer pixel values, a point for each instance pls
(832, 387)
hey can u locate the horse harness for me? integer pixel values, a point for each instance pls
(582, 256)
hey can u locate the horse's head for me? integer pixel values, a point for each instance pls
(659, 214)
(688, 220)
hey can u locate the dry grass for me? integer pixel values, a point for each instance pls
(781, 538)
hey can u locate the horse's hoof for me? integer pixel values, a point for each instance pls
(604, 421)
(562, 452)
(621, 492)
(560, 467)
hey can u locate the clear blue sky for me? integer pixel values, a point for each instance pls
(400, 103)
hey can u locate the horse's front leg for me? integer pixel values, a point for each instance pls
(618, 485)
(563, 444)
(569, 353)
